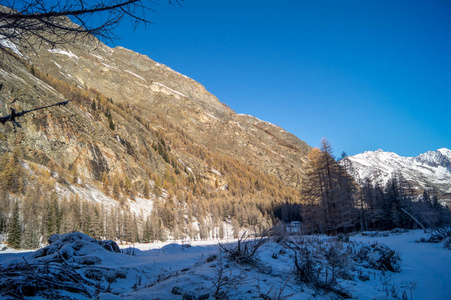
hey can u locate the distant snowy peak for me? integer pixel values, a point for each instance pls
(441, 157)
(428, 170)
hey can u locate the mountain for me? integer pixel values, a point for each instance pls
(157, 99)
(426, 171)
(137, 134)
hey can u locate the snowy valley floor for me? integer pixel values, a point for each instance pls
(200, 271)
(426, 265)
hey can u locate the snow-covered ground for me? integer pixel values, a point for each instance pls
(200, 271)
(424, 265)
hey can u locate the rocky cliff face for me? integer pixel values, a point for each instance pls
(159, 92)
(132, 117)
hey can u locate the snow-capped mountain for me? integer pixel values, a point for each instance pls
(428, 170)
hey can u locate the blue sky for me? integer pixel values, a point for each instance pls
(364, 74)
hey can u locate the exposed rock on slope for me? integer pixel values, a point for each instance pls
(155, 91)
(132, 120)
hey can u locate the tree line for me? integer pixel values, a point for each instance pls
(332, 202)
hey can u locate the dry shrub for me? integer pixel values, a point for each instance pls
(244, 251)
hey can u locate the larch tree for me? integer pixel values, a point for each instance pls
(328, 192)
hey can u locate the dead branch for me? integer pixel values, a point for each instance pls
(33, 22)
(244, 251)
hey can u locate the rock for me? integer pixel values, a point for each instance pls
(94, 274)
(88, 260)
(110, 246)
(53, 238)
(187, 296)
(177, 290)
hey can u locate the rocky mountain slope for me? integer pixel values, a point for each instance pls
(426, 171)
(157, 98)
(138, 137)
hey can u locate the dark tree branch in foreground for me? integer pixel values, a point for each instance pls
(36, 21)
(15, 115)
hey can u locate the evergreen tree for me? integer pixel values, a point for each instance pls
(50, 219)
(4, 210)
(372, 199)
(95, 226)
(31, 229)
(148, 234)
(397, 196)
(15, 231)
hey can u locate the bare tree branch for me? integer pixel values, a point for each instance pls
(32, 22)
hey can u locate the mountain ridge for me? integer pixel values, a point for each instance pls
(427, 171)
(139, 138)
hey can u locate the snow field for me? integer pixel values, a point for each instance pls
(332, 267)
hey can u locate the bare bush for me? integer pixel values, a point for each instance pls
(46, 279)
(277, 293)
(71, 263)
(226, 280)
(317, 271)
(439, 235)
(338, 260)
(279, 233)
(378, 257)
(306, 268)
(244, 251)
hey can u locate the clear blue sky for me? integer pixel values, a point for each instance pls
(364, 74)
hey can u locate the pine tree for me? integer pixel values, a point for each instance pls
(57, 212)
(372, 203)
(14, 231)
(148, 232)
(397, 196)
(31, 228)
